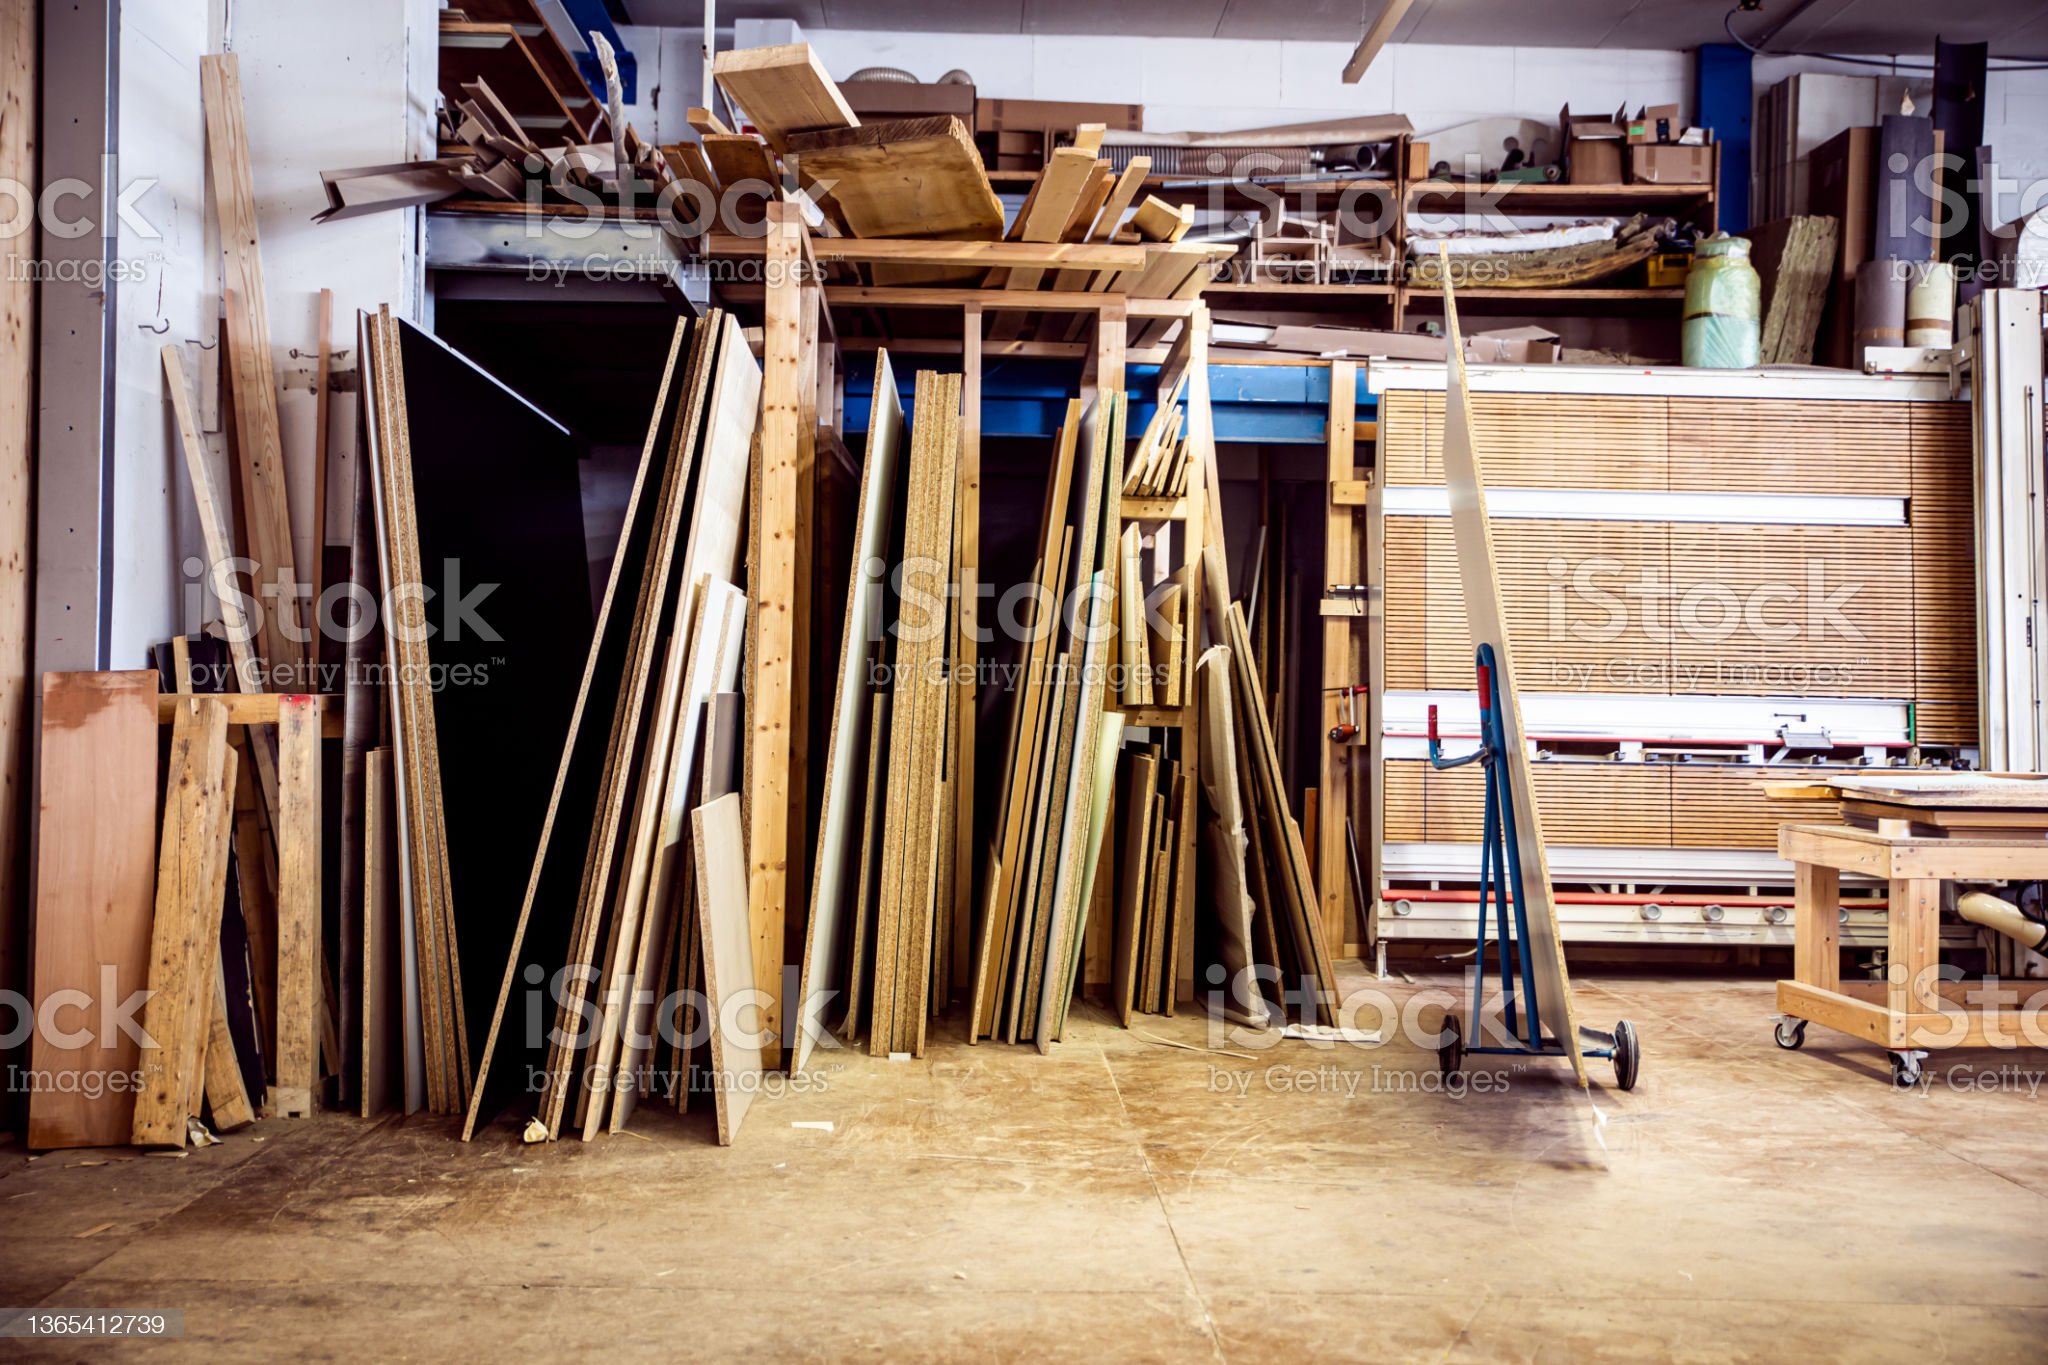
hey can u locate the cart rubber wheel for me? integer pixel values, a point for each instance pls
(1905, 1070)
(1450, 1054)
(1791, 1034)
(1628, 1055)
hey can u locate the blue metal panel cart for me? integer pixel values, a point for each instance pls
(1500, 884)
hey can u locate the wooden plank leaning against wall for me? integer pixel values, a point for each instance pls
(18, 103)
(1340, 657)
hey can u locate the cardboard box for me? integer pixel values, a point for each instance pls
(1650, 163)
(876, 100)
(1062, 115)
(1513, 346)
(1592, 146)
(1656, 123)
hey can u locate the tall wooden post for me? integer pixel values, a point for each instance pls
(774, 591)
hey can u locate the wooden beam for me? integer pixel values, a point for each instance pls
(191, 878)
(1340, 565)
(265, 505)
(254, 708)
(783, 90)
(19, 69)
(1376, 37)
(774, 589)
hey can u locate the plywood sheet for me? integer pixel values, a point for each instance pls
(95, 891)
(728, 949)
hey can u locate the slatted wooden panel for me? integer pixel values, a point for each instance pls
(1777, 445)
(1534, 440)
(1404, 796)
(1406, 602)
(1619, 804)
(1625, 805)
(1944, 574)
(1911, 629)
(1807, 611)
(1566, 636)
(1724, 807)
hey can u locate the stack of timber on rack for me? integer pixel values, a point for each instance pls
(922, 178)
(620, 913)
(230, 956)
(456, 471)
(1710, 583)
(1048, 819)
(894, 957)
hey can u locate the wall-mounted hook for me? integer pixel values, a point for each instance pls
(158, 330)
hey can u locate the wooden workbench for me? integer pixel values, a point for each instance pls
(1912, 1010)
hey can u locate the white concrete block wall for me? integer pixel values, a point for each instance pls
(324, 87)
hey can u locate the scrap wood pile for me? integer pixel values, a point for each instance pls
(517, 123)
(879, 937)
(623, 905)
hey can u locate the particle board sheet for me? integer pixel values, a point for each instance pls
(542, 929)
(424, 876)
(840, 828)
(919, 712)
(783, 89)
(728, 954)
(495, 492)
(95, 891)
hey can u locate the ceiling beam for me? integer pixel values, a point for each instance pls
(1375, 38)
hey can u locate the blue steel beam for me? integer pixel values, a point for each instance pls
(1267, 404)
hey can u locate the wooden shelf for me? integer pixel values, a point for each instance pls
(1493, 299)
(1545, 197)
(1236, 289)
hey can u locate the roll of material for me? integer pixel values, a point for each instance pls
(1931, 305)
(1880, 305)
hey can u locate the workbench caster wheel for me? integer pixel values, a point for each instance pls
(1450, 1054)
(1791, 1034)
(1905, 1070)
(1628, 1055)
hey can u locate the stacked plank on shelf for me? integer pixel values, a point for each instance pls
(1158, 465)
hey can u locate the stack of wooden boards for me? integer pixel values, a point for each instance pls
(924, 178)
(241, 816)
(1148, 926)
(120, 910)
(650, 747)
(881, 925)
(1060, 752)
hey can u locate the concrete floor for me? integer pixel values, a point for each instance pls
(1120, 1199)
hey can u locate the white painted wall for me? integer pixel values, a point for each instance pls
(324, 87)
